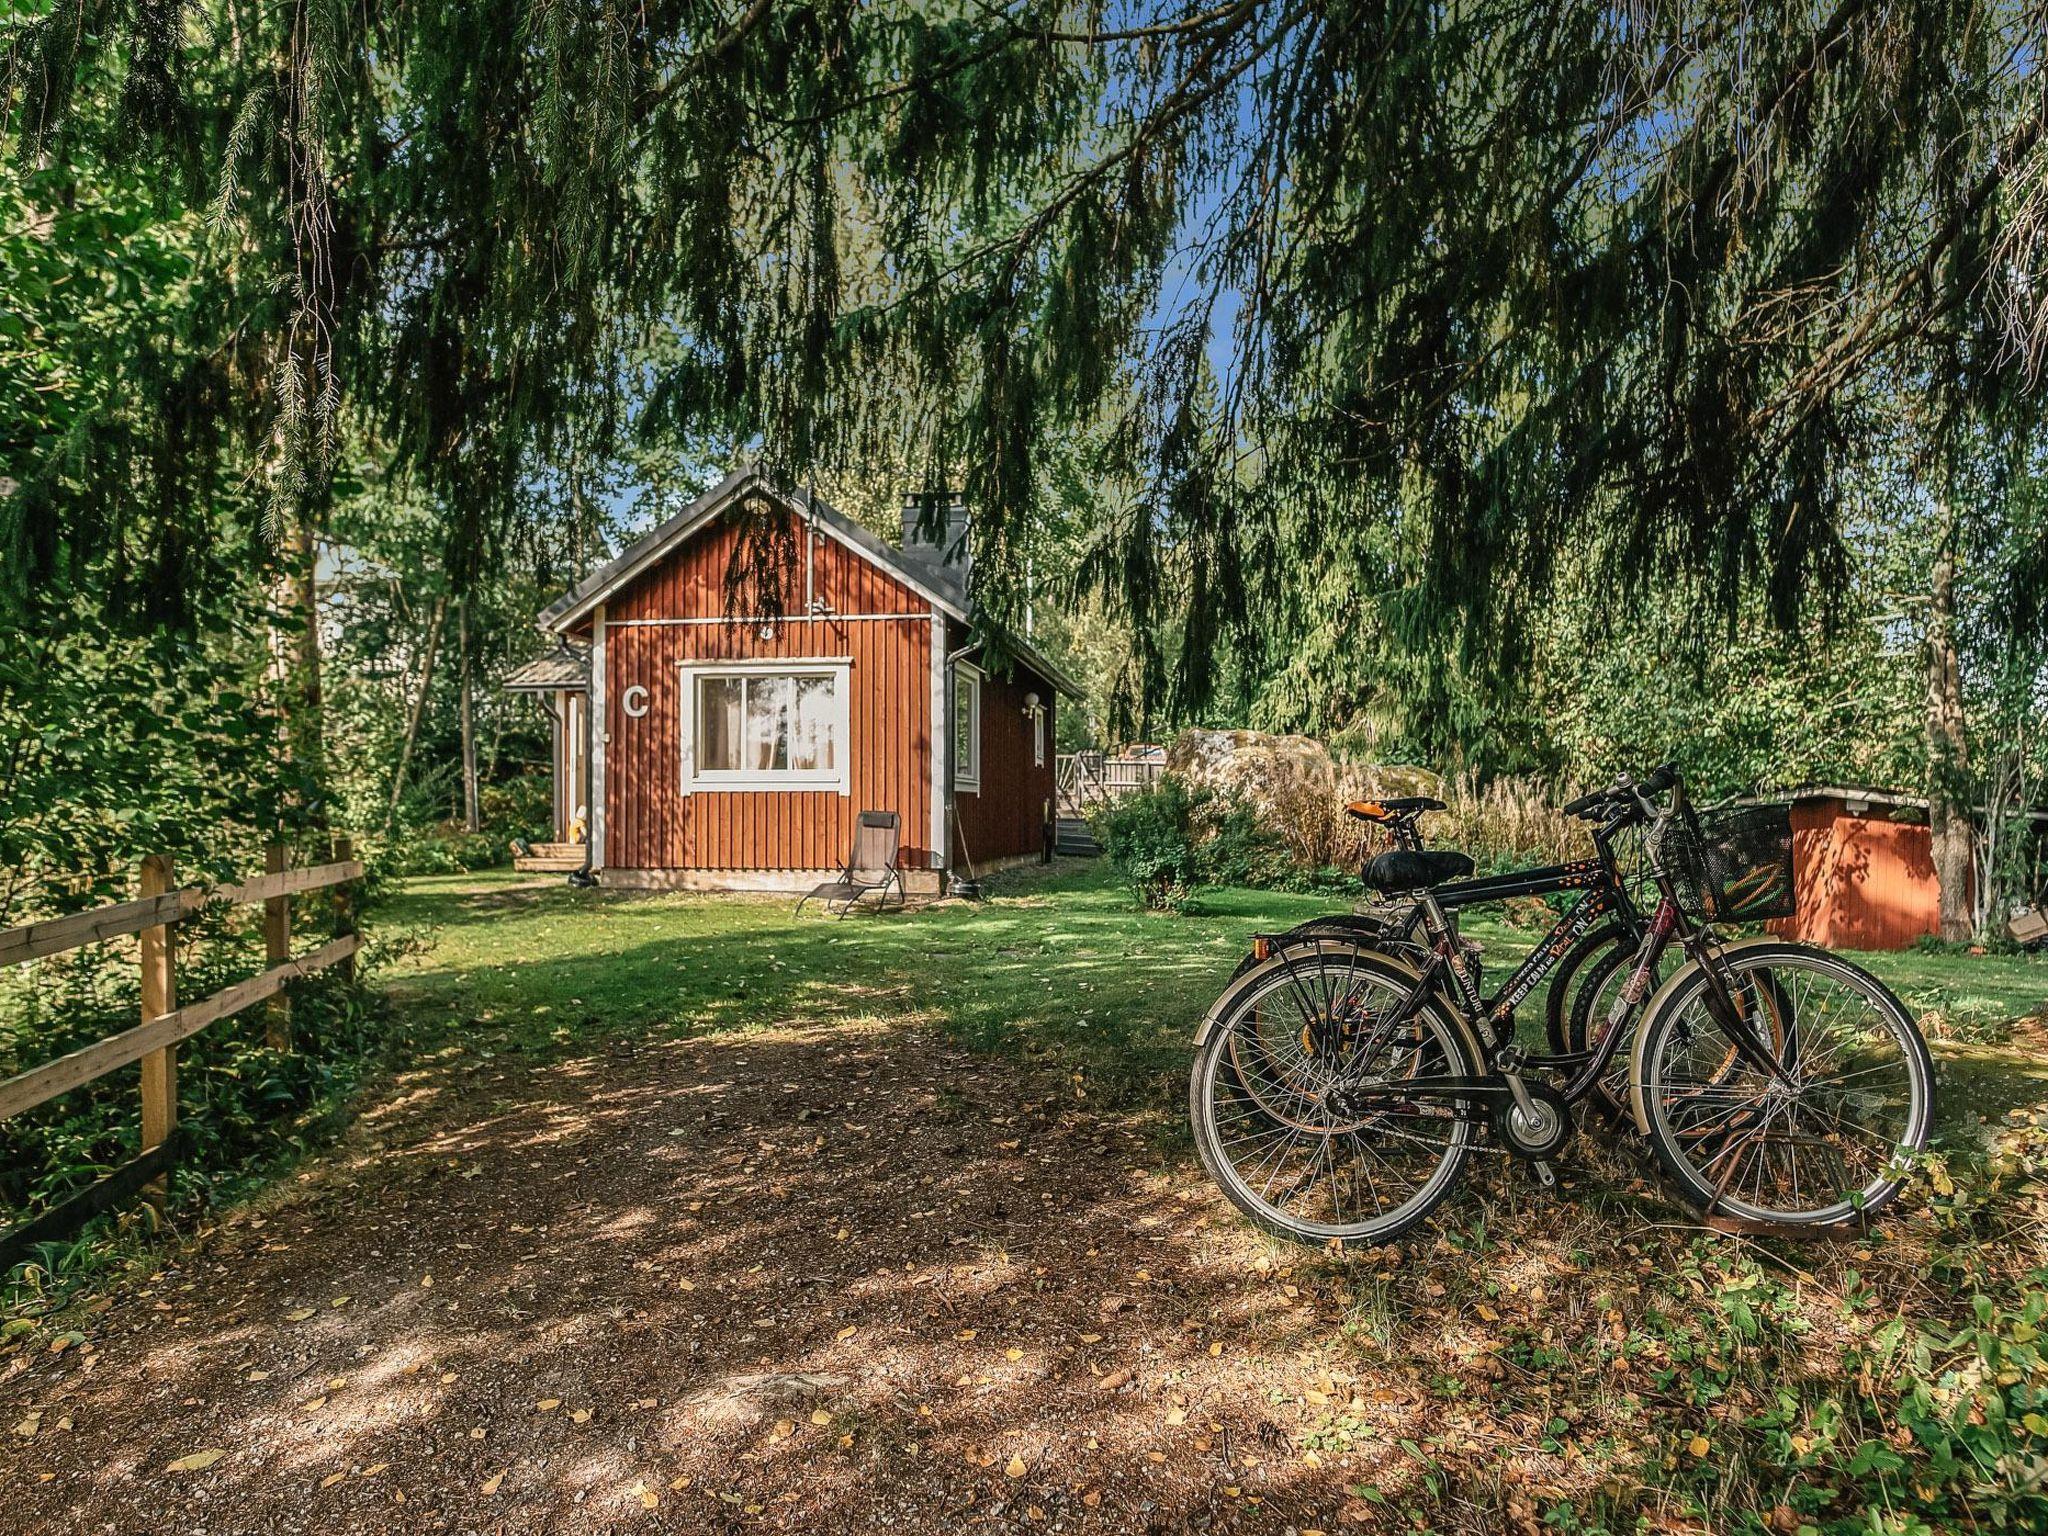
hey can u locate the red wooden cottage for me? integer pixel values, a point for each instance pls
(759, 670)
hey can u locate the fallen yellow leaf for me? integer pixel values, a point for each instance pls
(581, 1416)
(847, 1332)
(820, 1416)
(548, 1404)
(299, 1315)
(1016, 1468)
(331, 1479)
(494, 1482)
(198, 1461)
(1699, 1445)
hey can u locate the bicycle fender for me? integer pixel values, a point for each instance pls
(1658, 999)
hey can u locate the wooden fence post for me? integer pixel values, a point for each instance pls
(159, 996)
(277, 948)
(344, 904)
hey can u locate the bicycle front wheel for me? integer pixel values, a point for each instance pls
(1301, 1097)
(1821, 1140)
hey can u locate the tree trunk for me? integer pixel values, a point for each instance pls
(295, 670)
(1948, 764)
(419, 707)
(472, 811)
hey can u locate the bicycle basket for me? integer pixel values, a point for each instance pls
(1749, 862)
(1731, 866)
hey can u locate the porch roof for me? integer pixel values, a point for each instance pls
(564, 669)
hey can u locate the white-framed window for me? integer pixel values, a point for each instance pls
(1038, 735)
(766, 724)
(967, 728)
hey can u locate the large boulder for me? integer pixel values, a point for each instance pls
(1275, 774)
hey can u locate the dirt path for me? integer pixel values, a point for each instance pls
(806, 1280)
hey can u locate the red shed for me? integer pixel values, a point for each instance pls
(1863, 869)
(761, 669)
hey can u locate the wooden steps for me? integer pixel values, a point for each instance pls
(550, 858)
(1072, 839)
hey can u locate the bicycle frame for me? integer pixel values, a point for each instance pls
(1443, 973)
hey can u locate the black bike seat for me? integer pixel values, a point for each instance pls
(1408, 869)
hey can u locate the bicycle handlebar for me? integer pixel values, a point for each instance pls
(1659, 779)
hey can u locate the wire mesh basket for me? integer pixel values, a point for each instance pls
(1733, 865)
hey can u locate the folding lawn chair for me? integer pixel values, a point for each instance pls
(870, 869)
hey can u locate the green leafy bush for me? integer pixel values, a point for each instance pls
(1168, 841)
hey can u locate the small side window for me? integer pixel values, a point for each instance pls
(967, 729)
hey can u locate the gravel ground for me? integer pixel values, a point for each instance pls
(818, 1280)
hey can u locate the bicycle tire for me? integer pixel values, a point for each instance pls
(1442, 1040)
(1661, 1095)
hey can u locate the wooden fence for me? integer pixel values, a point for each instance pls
(160, 905)
(1087, 779)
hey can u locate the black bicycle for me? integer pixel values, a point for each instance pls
(1601, 936)
(1342, 1081)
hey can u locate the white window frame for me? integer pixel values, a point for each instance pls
(967, 770)
(838, 778)
(1038, 735)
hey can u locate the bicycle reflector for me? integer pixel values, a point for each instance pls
(1262, 949)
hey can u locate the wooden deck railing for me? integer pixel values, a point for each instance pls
(1087, 779)
(154, 1041)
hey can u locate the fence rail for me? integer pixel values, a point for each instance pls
(1089, 779)
(154, 1041)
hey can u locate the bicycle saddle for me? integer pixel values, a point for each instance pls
(1387, 810)
(1410, 869)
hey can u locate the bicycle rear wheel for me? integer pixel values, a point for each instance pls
(1294, 1036)
(1821, 1142)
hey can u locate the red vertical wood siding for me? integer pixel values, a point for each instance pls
(652, 824)
(1008, 816)
(1863, 882)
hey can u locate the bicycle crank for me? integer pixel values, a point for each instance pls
(1534, 1121)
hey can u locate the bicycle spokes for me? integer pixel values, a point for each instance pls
(1823, 1131)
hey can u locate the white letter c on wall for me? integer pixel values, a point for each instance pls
(634, 701)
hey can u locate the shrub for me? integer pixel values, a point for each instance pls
(1166, 841)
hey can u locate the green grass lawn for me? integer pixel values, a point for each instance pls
(1060, 965)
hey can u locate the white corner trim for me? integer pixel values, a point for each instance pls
(941, 736)
(967, 775)
(838, 779)
(599, 719)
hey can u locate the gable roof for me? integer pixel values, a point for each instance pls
(943, 588)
